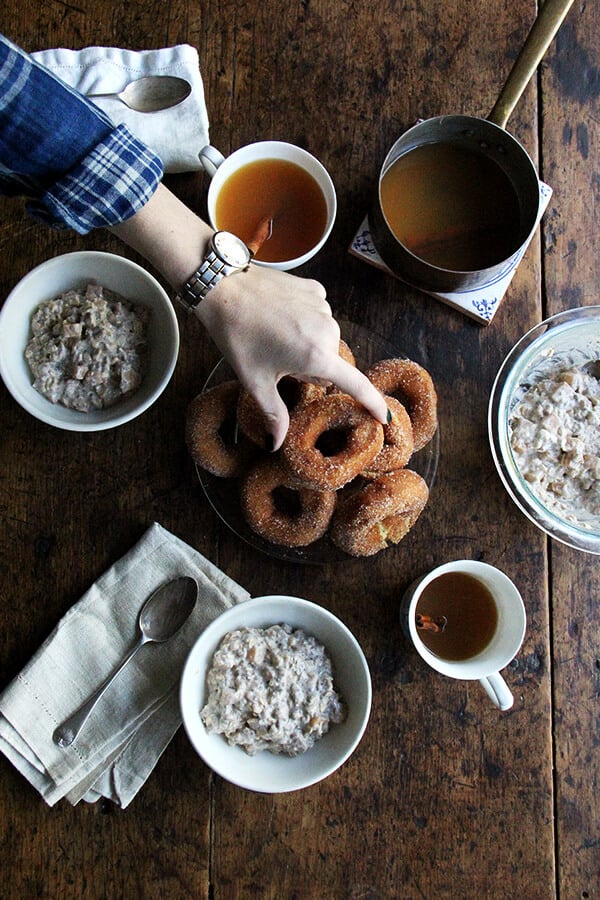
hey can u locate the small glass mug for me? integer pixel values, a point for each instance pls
(220, 168)
(504, 645)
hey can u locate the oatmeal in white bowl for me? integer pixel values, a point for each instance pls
(288, 735)
(105, 345)
(544, 426)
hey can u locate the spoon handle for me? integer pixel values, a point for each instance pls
(109, 94)
(66, 733)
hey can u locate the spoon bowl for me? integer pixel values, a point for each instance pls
(165, 611)
(151, 93)
(160, 618)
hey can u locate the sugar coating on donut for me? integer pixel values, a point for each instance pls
(279, 510)
(411, 384)
(330, 441)
(378, 513)
(398, 442)
(292, 391)
(210, 431)
(346, 353)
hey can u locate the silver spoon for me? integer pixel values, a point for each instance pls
(152, 93)
(161, 616)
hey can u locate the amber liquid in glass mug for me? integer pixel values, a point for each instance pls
(282, 191)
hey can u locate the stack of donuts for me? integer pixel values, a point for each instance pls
(339, 471)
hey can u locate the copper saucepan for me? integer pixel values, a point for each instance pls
(504, 208)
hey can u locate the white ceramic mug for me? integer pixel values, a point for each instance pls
(219, 168)
(502, 648)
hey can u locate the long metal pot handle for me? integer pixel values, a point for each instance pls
(549, 20)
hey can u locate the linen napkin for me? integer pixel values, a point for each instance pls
(178, 134)
(120, 743)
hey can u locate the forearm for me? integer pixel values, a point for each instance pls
(168, 235)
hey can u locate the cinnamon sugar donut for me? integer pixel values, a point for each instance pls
(346, 353)
(398, 442)
(279, 510)
(330, 441)
(293, 392)
(410, 382)
(379, 513)
(210, 431)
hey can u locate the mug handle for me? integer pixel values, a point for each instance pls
(211, 159)
(497, 690)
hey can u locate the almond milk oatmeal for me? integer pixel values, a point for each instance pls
(271, 689)
(555, 440)
(88, 348)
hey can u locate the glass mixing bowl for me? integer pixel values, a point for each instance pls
(573, 338)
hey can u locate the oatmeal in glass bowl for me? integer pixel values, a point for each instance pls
(544, 426)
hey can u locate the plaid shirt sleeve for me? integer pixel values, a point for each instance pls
(59, 149)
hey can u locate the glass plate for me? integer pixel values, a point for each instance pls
(222, 493)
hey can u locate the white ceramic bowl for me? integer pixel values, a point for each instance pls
(50, 279)
(572, 336)
(268, 772)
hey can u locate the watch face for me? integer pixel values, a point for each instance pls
(231, 248)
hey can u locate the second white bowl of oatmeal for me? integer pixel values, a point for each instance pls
(76, 270)
(267, 772)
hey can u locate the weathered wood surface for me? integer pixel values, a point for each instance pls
(571, 147)
(444, 796)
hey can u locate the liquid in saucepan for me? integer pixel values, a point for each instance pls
(452, 207)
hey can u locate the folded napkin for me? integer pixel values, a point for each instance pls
(178, 134)
(119, 744)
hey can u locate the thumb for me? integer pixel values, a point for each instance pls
(274, 410)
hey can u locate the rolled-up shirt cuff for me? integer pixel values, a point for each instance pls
(109, 185)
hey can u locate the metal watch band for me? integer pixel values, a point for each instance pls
(200, 283)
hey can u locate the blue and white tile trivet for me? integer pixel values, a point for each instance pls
(479, 303)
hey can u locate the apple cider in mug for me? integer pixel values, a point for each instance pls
(456, 616)
(279, 195)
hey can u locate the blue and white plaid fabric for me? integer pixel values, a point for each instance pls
(62, 151)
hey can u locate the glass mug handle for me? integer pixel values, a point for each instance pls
(211, 159)
(497, 690)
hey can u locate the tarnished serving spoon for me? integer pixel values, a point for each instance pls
(152, 93)
(161, 616)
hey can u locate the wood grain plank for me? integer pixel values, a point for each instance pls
(571, 95)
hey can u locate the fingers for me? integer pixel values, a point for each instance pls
(276, 415)
(352, 381)
(345, 376)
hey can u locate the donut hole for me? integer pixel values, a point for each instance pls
(286, 501)
(290, 391)
(333, 441)
(228, 430)
(403, 398)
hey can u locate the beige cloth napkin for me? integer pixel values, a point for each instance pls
(177, 135)
(120, 744)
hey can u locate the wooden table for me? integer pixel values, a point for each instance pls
(445, 797)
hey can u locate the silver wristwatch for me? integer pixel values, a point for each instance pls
(227, 254)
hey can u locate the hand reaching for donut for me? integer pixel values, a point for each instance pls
(269, 324)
